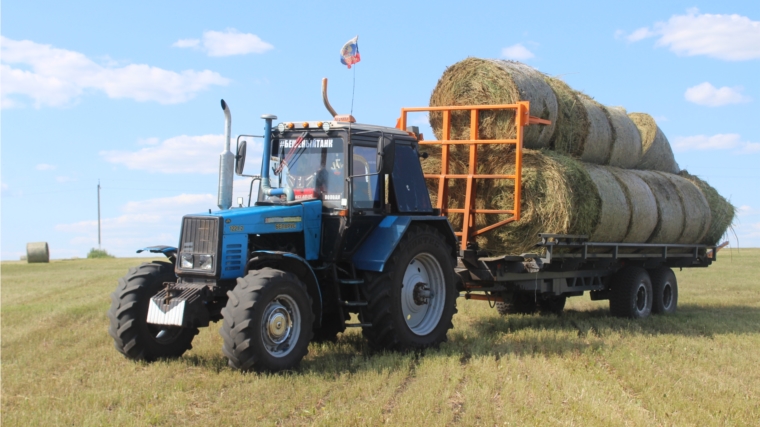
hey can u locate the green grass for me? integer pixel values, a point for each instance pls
(698, 367)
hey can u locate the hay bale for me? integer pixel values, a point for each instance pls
(656, 151)
(642, 203)
(721, 210)
(626, 146)
(615, 212)
(37, 252)
(670, 215)
(572, 121)
(475, 81)
(695, 207)
(598, 143)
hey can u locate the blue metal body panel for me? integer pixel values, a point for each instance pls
(234, 250)
(381, 243)
(312, 228)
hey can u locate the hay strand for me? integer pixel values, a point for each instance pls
(721, 210)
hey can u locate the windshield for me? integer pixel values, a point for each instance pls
(312, 167)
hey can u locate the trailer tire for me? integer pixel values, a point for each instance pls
(267, 321)
(631, 293)
(133, 336)
(522, 303)
(552, 305)
(664, 290)
(402, 316)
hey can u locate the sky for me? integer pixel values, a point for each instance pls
(127, 93)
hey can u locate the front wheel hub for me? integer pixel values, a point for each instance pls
(280, 325)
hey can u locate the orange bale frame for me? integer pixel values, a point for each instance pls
(522, 118)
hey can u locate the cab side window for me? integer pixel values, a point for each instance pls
(366, 194)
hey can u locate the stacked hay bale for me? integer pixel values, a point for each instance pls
(597, 170)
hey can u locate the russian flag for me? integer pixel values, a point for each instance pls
(349, 54)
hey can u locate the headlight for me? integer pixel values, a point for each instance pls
(326, 126)
(187, 260)
(205, 262)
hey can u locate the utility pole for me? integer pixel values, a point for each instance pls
(98, 214)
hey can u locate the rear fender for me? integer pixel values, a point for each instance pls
(168, 251)
(293, 263)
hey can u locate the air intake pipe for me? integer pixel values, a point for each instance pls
(265, 184)
(226, 163)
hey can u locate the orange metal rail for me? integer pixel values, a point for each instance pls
(522, 118)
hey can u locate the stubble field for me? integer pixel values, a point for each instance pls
(698, 367)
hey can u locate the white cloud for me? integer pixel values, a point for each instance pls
(57, 77)
(180, 154)
(726, 141)
(517, 52)
(64, 179)
(707, 94)
(45, 167)
(226, 43)
(727, 37)
(746, 210)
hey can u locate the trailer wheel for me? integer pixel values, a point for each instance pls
(552, 305)
(522, 303)
(267, 321)
(133, 336)
(664, 290)
(631, 293)
(411, 303)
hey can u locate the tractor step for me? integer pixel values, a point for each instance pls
(354, 303)
(351, 281)
(358, 325)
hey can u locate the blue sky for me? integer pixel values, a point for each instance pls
(129, 93)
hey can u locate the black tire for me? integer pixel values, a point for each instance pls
(331, 327)
(132, 335)
(664, 290)
(552, 304)
(631, 293)
(522, 303)
(426, 321)
(272, 298)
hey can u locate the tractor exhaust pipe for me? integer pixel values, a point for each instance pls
(226, 163)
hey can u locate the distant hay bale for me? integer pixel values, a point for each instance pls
(598, 143)
(642, 203)
(721, 210)
(695, 207)
(475, 81)
(670, 215)
(615, 212)
(626, 145)
(37, 252)
(656, 151)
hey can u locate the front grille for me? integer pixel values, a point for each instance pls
(201, 236)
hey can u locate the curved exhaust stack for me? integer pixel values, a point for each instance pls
(226, 163)
(337, 117)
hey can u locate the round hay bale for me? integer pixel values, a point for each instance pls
(37, 252)
(598, 143)
(670, 215)
(695, 207)
(475, 81)
(656, 151)
(626, 146)
(572, 121)
(642, 203)
(615, 212)
(721, 210)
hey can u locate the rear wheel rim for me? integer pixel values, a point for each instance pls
(280, 325)
(423, 294)
(667, 295)
(641, 298)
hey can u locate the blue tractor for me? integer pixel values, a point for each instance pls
(343, 224)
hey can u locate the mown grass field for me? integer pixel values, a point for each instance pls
(698, 367)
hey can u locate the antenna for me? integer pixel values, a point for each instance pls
(98, 214)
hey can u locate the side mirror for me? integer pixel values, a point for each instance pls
(240, 158)
(386, 149)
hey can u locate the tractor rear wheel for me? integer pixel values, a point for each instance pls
(133, 336)
(267, 321)
(412, 302)
(664, 290)
(631, 293)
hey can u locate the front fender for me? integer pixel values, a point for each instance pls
(168, 251)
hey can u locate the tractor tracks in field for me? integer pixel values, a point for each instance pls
(391, 404)
(456, 398)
